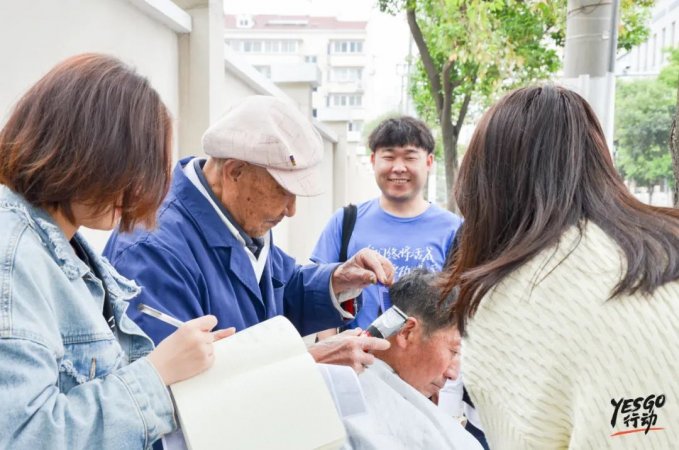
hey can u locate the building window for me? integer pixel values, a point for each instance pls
(344, 74)
(264, 70)
(346, 47)
(244, 22)
(654, 50)
(272, 46)
(355, 125)
(310, 59)
(288, 46)
(264, 45)
(345, 100)
(645, 53)
(252, 46)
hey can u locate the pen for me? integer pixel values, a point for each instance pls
(142, 308)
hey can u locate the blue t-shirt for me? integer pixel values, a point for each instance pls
(408, 242)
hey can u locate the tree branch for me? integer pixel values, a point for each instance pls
(463, 111)
(465, 106)
(427, 60)
(446, 109)
(674, 150)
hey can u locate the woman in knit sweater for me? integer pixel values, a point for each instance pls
(569, 286)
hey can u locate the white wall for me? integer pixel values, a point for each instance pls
(360, 180)
(37, 34)
(312, 214)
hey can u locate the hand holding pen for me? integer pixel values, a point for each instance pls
(153, 312)
(189, 350)
(168, 319)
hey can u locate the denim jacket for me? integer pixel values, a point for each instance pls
(66, 380)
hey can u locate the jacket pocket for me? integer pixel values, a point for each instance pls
(85, 360)
(277, 284)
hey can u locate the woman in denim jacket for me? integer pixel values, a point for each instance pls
(87, 145)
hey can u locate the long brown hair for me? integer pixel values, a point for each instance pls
(93, 131)
(538, 164)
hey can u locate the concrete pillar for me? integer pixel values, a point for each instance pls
(340, 164)
(588, 34)
(201, 73)
(589, 55)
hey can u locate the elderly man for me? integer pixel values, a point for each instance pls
(212, 250)
(423, 355)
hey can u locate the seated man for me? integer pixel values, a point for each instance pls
(423, 355)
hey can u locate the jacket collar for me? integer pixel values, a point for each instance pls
(60, 248)
(55, 240)
(199, 208)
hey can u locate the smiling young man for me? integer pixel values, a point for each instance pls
(400, 224)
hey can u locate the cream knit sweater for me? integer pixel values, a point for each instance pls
(546, 353)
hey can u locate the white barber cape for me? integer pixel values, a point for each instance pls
(400, 417)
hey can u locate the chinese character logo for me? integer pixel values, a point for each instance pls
(405, 259)
(636, 415)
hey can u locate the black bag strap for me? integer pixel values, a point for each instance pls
(452, 251)
(348, 222)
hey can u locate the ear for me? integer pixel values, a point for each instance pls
(407, 333)
(232, 169)
(430, 160)
(372, 158)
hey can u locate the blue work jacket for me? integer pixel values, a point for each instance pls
(192, 265)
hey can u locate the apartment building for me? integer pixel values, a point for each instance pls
(330, 54)
(649, 57)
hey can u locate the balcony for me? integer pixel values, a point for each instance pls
(296, 73)
(340, 114)
(344, 86)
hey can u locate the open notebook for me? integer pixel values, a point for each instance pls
(263, 392)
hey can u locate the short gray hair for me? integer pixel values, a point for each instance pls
(418, 294)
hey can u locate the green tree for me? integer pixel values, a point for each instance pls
(476, 49)
(644, 113)
(669, 76)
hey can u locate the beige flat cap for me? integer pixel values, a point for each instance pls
(274, 134)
